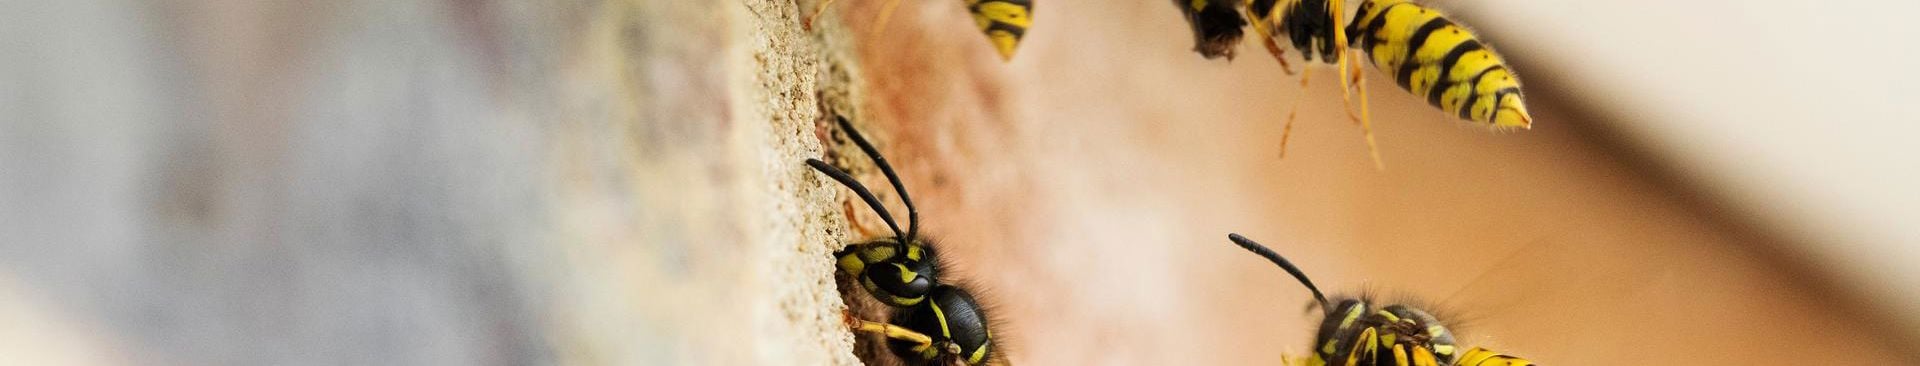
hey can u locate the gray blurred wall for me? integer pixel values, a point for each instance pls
(402, 182)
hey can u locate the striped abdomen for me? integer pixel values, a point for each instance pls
(1434, 57)
(1004, 22)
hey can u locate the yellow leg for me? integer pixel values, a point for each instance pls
(1352, 75)
(1358, 81)
(886, 13)
(817, 10)
(891, 331)
(1286, 131)
(1266, 37)
(1338, 8)
(1366, 119)
(1279, 54)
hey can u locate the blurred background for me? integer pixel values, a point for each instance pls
(618, 182)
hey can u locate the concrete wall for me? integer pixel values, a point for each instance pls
(619, 182)
(413, 182)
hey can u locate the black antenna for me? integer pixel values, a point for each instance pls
(1262, 250)
(913, 214)
(861, 190)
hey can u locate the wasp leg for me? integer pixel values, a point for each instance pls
(1340, 48)
(1280, 54)
(922, 341)
(1366, 118)
(1357, 82)
(817, 10)
(1266, 37)
(1351, 75)
(1286, 131)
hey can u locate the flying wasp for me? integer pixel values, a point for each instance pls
(935, 323)
(1355, 333)
(1427, 53)
(1005, 22)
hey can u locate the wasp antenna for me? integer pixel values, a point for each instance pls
(913, 214)
(865, 195)
(1262, 250)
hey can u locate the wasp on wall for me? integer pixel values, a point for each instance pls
(935, 322)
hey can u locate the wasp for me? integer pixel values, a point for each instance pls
(935, 322)
(1004, 22)
(1427, 53)
(1353, 332)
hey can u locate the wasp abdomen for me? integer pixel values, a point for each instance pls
(1004, 22)
(1435, 58)
(960, 321)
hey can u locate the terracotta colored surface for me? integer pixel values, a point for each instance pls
(1090, 183)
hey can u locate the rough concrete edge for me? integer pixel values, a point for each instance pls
(805, 324)
(841, 92)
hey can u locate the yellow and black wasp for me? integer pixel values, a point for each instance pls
(935, 322)
(1004, 21)
(1427, 53)
(1355, 333)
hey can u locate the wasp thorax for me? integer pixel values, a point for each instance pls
(1364, 335)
